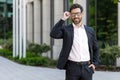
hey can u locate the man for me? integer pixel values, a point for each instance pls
(80, 53)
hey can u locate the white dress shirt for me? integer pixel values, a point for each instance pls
(80, 49)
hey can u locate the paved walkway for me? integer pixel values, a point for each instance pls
(12, 71)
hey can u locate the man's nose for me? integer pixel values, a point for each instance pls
(76, 15)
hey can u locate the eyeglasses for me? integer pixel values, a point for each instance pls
(75, 14)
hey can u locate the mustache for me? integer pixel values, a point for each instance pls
(75, 18)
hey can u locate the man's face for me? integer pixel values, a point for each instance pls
(76, 16)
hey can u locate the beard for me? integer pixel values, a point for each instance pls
(76, 20)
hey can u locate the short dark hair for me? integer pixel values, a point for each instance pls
(76, 5)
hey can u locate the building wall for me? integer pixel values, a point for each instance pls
(30, 22)
(39, 23)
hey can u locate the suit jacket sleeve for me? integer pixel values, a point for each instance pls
(57, 30)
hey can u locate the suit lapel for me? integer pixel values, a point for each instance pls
(88, 34)
(72, 32)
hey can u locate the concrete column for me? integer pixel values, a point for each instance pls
(24, 29)
(15, 28)
(21, 28)
(118, 59)
(30, 22)
(119, 22)
(58, 13)
(83, 3)
(37, 23)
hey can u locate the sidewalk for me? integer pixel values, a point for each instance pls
(12, 71)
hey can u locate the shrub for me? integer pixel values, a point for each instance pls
(5, 53)
(8, 44)
(109, 54)
(1, 41)
(38, 49)
(36, 61)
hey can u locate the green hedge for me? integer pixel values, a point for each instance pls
(37, 61)
(33, 55)
(31, 59)
(109, 54)
(5, 52)
(38, 49)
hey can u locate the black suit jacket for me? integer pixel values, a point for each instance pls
(66, 32)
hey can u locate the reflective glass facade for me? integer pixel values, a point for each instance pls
(6, 8)
(6, 19)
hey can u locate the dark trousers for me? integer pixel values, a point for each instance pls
(78, 71)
